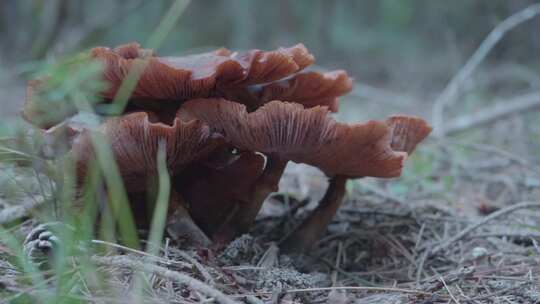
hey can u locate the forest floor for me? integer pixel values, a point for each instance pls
(413, 240)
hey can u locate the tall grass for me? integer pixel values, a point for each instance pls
(72, 87)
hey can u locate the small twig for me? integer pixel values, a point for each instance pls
(125, 262)
(420, 267)
(504, 278)
(353, 288)
(500, 110)
(355, 278)
(206, 275)
(535, 244)
(382, 193)
(433, 284)
(337, 263)
(451, 91)
(270, 257)
(464, 295)
(499, 292)
(519, 235)
(144, 254)
(494, 215)
(449, 291)
(512, 157)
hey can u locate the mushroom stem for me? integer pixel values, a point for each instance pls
(243, 219)
(266, 184)
(310, 231)
(180, 224)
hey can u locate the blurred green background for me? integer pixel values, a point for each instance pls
(403, 51)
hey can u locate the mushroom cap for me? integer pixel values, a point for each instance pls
(407, 132)
(182, 78)
(311, 136)
(309, 89)
(135, 139)
(253, 78)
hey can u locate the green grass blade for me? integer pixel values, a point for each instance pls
(118, 198)
(156, 39)
(162, 203)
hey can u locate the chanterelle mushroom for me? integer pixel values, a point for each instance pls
(203, 107)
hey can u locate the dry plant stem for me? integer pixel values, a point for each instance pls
(352, 288)
(145, 255)
(494, 215)
(311, 230)
(126, 262)
(180, 224)
(243, 219)
(448, 96)
(491, 114)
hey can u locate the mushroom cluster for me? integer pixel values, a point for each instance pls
(230, 122)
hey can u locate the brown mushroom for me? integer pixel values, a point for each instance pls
(252, 78)
(182, 78)
(165, 82)
(271, 108)
(135, 139)
(205, 175)
(134, 142)
(288, 131)
(216, 190)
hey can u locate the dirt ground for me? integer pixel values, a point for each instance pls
(427, 246)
